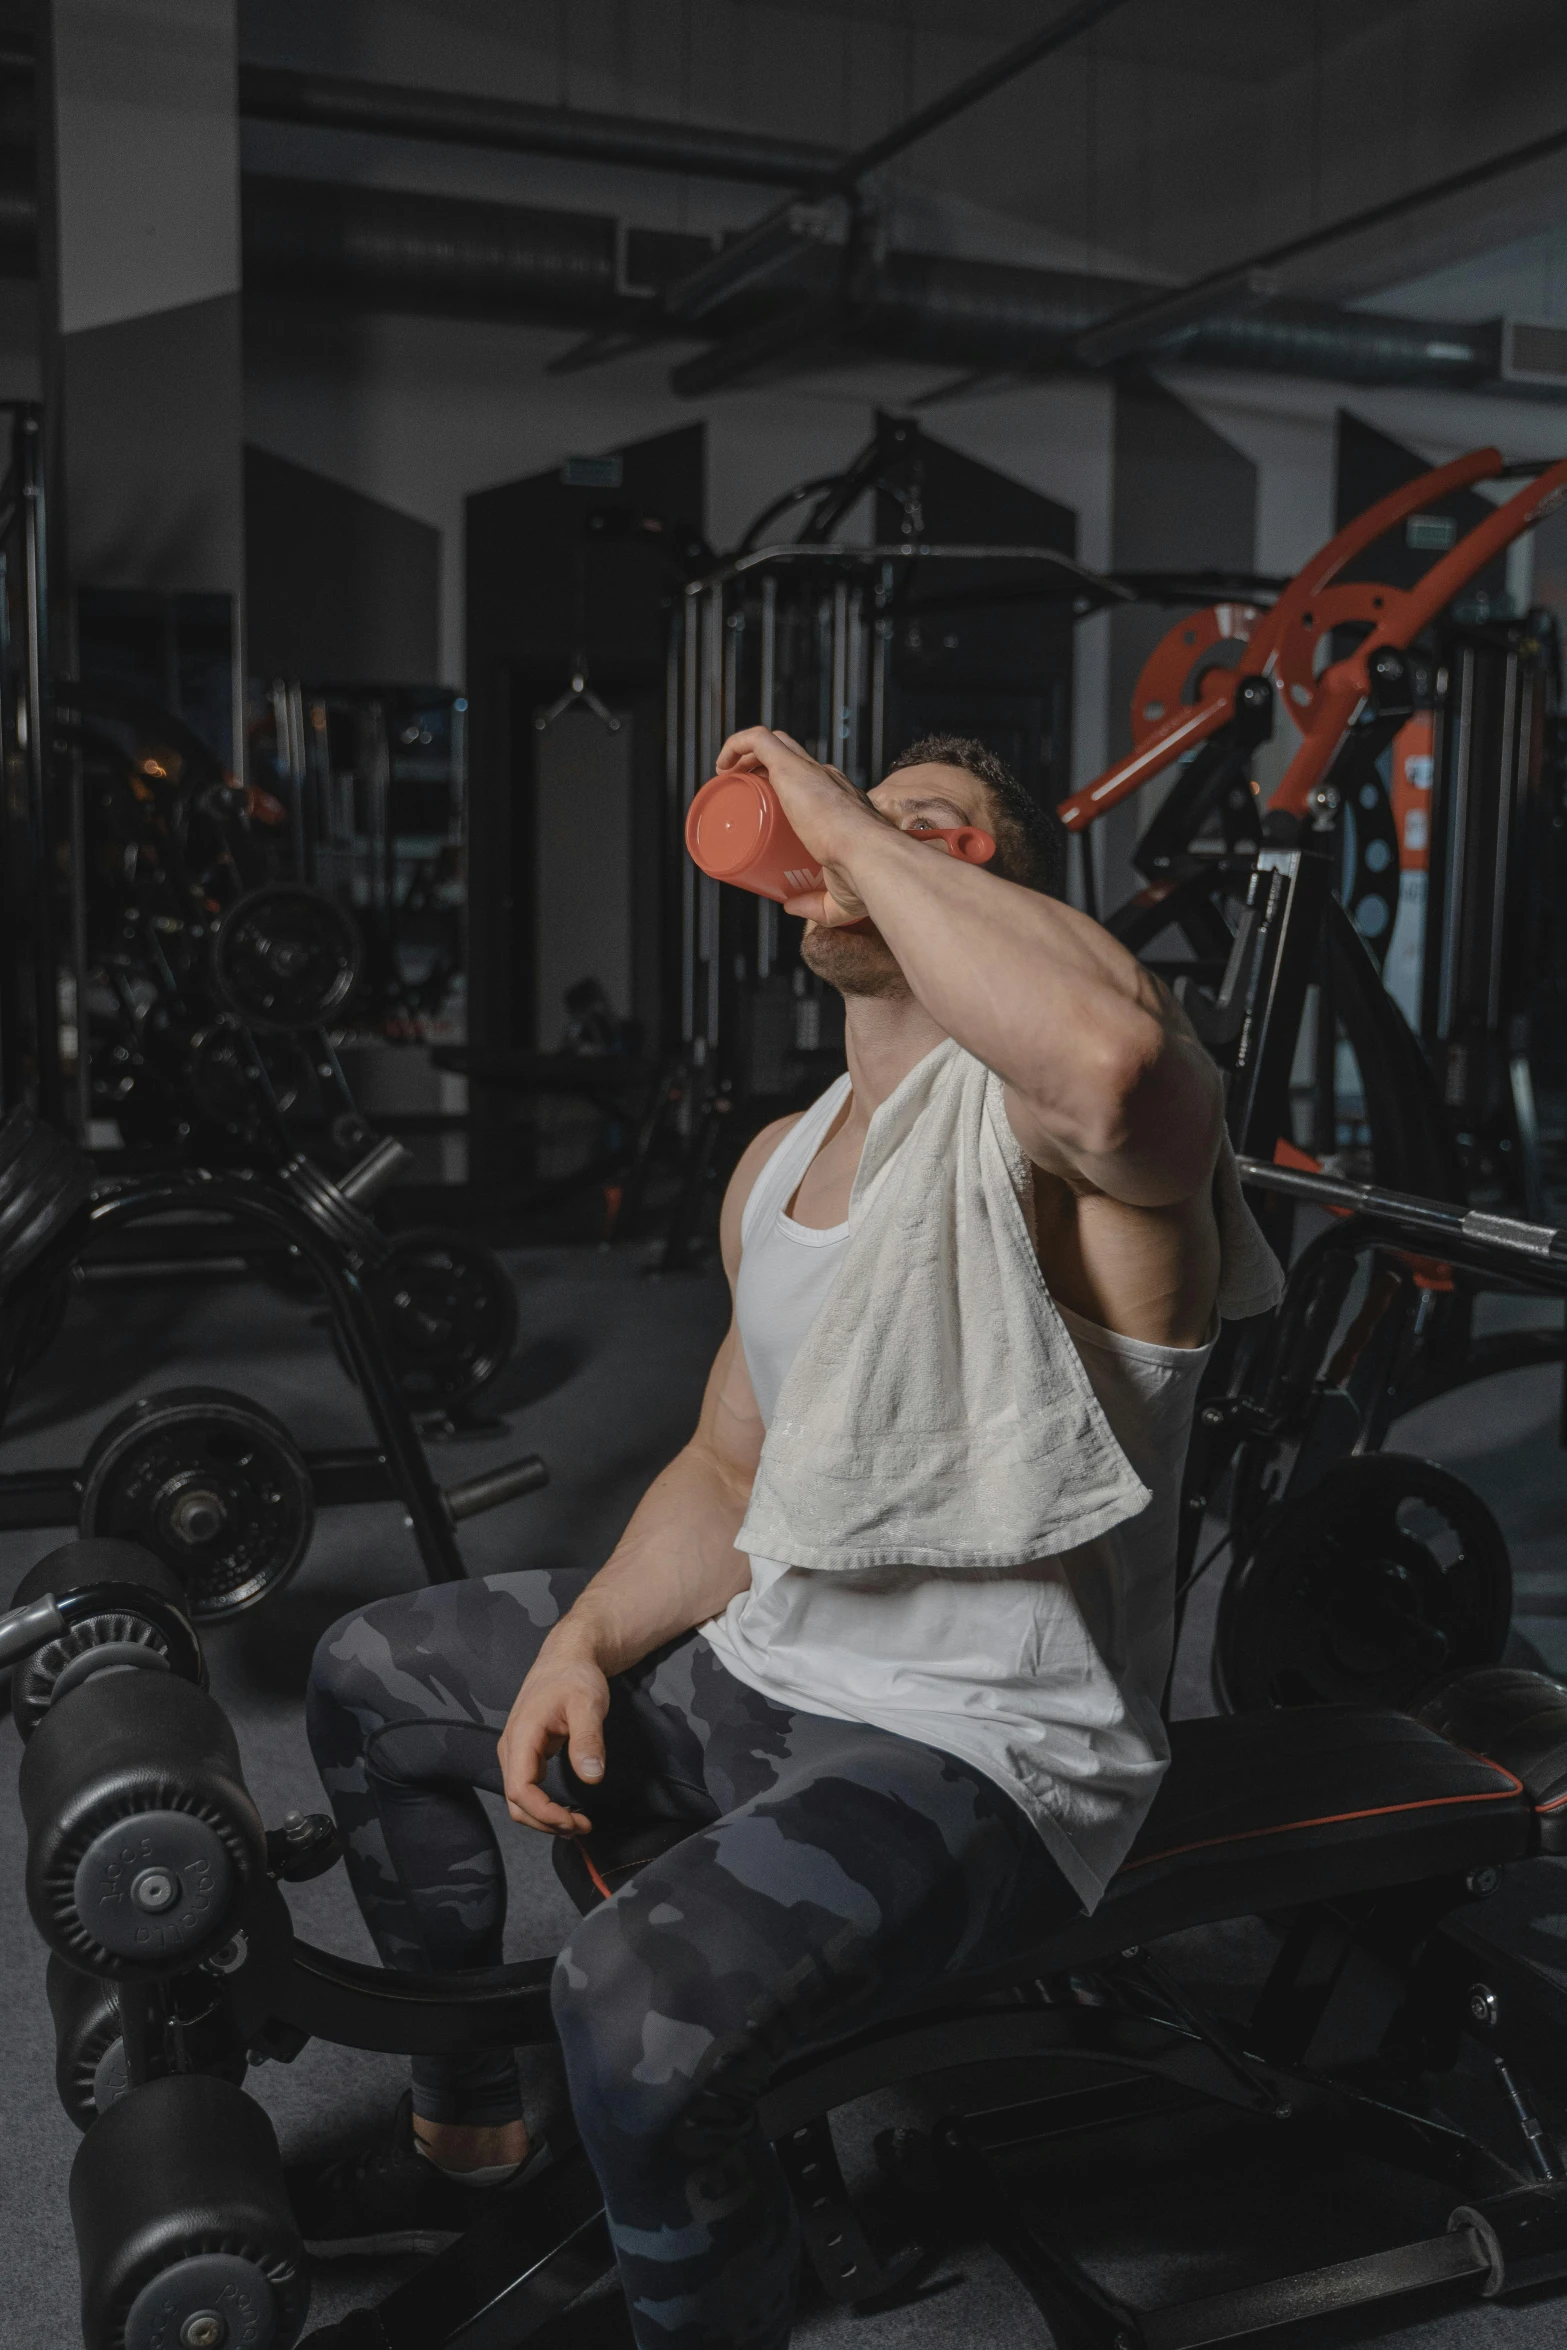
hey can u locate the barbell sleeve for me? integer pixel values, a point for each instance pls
(380, 1166)
(487, 1492)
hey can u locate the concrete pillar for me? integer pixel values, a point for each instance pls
(140, 269)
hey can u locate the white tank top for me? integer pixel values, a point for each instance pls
(1047, 1678)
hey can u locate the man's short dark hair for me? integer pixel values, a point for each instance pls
(1030, 838)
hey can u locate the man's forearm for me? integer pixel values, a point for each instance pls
(674, 1566)
(1038, 992)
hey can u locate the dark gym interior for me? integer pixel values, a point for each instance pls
(428, 429)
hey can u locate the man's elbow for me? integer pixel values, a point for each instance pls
(1160, 1107)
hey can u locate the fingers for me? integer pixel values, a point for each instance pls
(585, 1735)
(749, 748)
(524, 1750)
(532, 1808)
(820, 907)
(768, 747)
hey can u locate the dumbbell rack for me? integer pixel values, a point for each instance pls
(394, 1468)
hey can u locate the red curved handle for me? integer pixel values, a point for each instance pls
(1185, 728)
(1345, 686)
(964, 841)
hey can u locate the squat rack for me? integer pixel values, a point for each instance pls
(800, 635)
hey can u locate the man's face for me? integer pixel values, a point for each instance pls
(860, 962)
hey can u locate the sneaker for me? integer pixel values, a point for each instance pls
(387, 2198)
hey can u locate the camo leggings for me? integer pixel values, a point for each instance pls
(833, 1870)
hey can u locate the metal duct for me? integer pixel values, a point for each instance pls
(987, 314)
(1349, 346)
(450, 255)
(335, 101)
(390, 249)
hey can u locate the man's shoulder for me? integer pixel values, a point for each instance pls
(742, 1183)
(760, 1149)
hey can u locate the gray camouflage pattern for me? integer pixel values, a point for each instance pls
(833, 1871)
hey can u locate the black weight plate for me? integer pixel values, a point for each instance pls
(285, 957)
(1384, 1575)
(446, 1308)
(212, 1485)
(46, 1183)
(30, 1180)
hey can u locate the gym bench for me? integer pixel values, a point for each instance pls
(1358, 1833)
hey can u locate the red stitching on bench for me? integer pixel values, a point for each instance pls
(1555, 1803)
(1334, 1819)
(587, 1862)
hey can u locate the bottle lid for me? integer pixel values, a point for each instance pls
(729, 825)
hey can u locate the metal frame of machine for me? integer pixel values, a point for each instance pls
(239, 1212)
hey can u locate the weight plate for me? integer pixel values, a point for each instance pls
(1383, 1576)
(208, 2301)
(1361, 603)
(446, 1308)
(333, 1212)
(43, 1183)
(211, 1484)
(1185, 656)
(87, 2041)
(153, 1886)
(285, 957)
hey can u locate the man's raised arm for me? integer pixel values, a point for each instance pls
(675, 1566)
(1104, 1076)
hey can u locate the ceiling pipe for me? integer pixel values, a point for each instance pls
(368, 248)
(470, 118)
(440, 256)
(452, 256)
(463, 118)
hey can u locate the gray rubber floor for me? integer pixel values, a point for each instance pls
(605, 1386)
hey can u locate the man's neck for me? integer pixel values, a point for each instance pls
(884, 1038)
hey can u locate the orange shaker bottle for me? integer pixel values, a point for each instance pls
(736, 831)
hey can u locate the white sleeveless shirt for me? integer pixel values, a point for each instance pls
(1047, 1678)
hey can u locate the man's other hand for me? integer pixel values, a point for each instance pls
(562, 1702)
(826, 811)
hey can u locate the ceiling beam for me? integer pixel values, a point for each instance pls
(1152, 324)
(760, 250)
(464, 118)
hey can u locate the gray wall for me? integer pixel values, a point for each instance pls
(139, 295)
(340, 588)
(1183, 496)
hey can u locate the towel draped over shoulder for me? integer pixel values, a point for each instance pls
(937, 1413)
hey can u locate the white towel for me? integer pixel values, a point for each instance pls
(937, 1413)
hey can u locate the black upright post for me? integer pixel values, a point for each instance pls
(30, 1068)
(1289, 890)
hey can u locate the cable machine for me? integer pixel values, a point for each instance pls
(832, 641)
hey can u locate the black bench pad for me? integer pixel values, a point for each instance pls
(1257, 1812)
(1519, 1719)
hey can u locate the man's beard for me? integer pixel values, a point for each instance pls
(855, 962)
